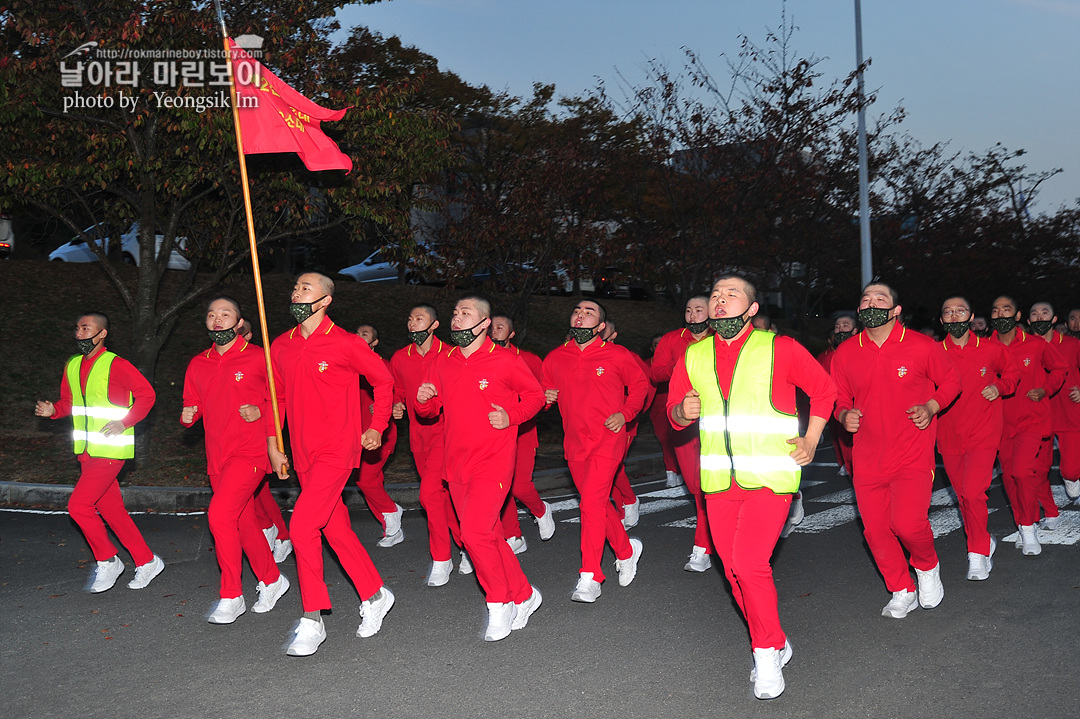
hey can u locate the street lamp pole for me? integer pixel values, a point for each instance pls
(864, 171)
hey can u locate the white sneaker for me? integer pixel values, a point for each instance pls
(104, 575)
(146, 573)
(307, 637)
(842, 471)
(979, 565)
(227, 610)
(785, 657)
(768, 675)
(1050, 523)
(440, 573)
(546, 523)
(500, 619)
(271, 533)
(393, 520)
(390, 540)
(518, 544)
(282, 550)
(931, 591)
(1029, 540)
(465, 566)
(901, 604)
(631, 514)
(674, 479)
(373, 610)
(627, 568)
(525, 609)
(269, 594)
(795, 512)
(700, 561)
(1072, 488)
(587, 589)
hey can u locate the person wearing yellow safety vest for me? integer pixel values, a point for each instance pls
(740, 386)
(105, 397)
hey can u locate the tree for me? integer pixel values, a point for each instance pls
(113, 153)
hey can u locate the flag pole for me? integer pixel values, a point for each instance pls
(251, 231)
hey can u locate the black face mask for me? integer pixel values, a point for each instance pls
(1074, 334)
(223, 337)
(464, 338)
(86, 346)
(697, 328)
(728, 327)
(1040, 327)
(581, 335)
(501, 343)
(839, 337)
(303, 310)
(957, 329)
(872, 317)
(1003, 325)
(420, 336)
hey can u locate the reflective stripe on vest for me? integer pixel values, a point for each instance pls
(743, 438)
(92, 411)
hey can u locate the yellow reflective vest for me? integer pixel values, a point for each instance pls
(90, 412)
(743, 437)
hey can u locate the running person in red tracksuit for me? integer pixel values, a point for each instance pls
(738, 389)
(485, 392)
(688, 444)
(226, 388)
(890, 382)
(1064, 410)
(106, 397)
(969, 430)
(427, 440)
(665, 435)
(599, 386)
(317, 367)
(622, 492)
(843, 329)
(523, 490)
(371, 480)
(1027, 420)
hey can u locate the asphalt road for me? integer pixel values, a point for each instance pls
(670, 645)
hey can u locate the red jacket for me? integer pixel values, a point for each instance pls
(669, 350)
(409, 368)
(527, 438)
(317, 381)
(123, 379)
(218, 385)
(1064, 413)
(1040, 365)
(883, 382)
(594, 383)
(972, 421)
(467, 387)
(793, 367)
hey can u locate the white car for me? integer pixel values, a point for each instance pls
(375, 268)
(76, 250)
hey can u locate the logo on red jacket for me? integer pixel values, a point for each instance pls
(982, 372)
(599, 371)
(323, 366)
(484, 384)
(901, 371)
(1027, 361)
(239, 376)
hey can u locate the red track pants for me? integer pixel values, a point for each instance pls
(235, 526)
(268, 511)
(96, 500)
(371, 482)
(745, 526)
(524, 491)
(1021, 473)
(479, 503)
(665, 433)
(895, 515)
(442, 522)
(970, 474)
(320, 512)
(688, 450)
(600, 521)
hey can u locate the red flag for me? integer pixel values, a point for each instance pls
(280, 119)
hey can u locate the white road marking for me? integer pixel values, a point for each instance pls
(828, 519)
(1067, 532)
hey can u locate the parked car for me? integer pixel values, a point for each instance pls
(77, 250)
(7, 237)
(374, 268)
